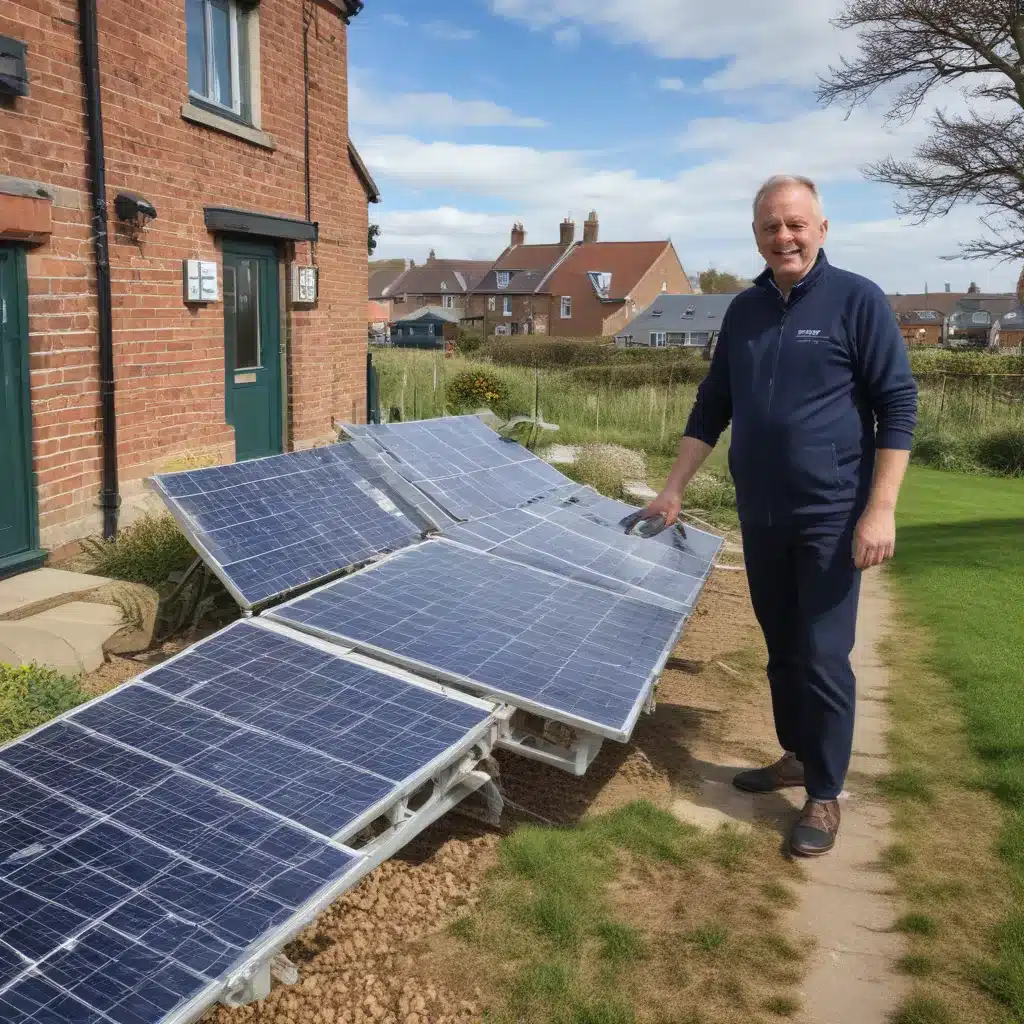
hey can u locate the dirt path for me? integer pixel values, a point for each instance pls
(847, 904)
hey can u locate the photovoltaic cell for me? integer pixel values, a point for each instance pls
(153, 840)
(615, 562)
(463, 465)
(268, 526)
(544, 642)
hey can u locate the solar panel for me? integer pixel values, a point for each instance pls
(545, 643)
(269, 526)
(157, 838)
(464, 466)
(615, 562)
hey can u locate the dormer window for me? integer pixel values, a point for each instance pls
(444, 286)
(602, 282)
(503, 278)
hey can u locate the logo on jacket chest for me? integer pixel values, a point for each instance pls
(808, 335)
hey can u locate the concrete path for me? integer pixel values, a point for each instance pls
(68, 621)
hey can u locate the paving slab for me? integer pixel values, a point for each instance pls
(31, 588)
(86, 627)
(39, 646)
(717, 804)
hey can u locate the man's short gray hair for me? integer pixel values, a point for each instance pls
(780, 181)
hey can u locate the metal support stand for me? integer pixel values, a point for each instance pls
(575, 755)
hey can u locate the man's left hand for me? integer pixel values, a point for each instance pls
(875, 538)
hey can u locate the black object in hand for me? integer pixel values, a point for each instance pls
(644, 526)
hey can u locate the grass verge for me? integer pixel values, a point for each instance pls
(629, 916)
(31, 696)
(957, 785)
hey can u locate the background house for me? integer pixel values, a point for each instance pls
(428, 327)
(689, 321)
(921, 327)
(221, 357)
(444, 283)
(584, 288)
(1008, 331)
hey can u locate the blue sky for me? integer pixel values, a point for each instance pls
(662, 115)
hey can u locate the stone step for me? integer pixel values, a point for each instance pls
(44, 585)
(85, 627)
(26, 645)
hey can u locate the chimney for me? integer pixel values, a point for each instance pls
(590, 227)
(518, 234)
(947, 286)
(567, 233)
(432, 256)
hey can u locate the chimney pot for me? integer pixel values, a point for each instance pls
(591, 227)
(518, 234)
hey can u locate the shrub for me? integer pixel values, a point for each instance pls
(476, 389)
(467, 344)
(630, 374)
(31, 695)
(146, 552)
(544, 353)
(710, 492)
(943, 449)
(1002, 451)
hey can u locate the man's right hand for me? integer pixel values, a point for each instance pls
(667, 505)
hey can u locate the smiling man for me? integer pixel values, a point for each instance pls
(812, 373)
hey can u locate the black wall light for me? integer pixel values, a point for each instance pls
(134, 209)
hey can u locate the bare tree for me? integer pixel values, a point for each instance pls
(975, 158)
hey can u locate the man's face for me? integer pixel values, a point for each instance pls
(789, 232)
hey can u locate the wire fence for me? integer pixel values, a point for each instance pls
(981, 400)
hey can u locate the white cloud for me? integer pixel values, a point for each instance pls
(672, 84)
(568, 36)
(435, 109)
(448, 32)
(763, 43)
(704, 208)
(395, 19)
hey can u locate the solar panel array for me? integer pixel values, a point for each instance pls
(543, 641)
(269, 526)
(463, 465)
(155, 839)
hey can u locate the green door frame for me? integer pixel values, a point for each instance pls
(33, 555)
(271, 303)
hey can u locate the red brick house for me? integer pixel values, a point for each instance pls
(579, 289)
(438, 282)
(183, 226)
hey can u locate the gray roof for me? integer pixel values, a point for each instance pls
(520, 282)
(921, 318)
(682, 313)
(437, 312)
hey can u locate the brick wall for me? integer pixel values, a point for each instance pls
(169, 357)
(667, 269)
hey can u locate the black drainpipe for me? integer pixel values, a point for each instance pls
(110, 499)
(307, 18)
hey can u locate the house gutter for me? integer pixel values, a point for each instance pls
(110, 499)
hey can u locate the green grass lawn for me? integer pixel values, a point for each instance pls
(959, 573)
(960, 565)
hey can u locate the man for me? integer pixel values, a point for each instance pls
(812, 373)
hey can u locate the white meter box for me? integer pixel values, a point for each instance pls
(201, 283)
(304, 285)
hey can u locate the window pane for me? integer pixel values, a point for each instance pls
(220, 44)
(196, 33)
(247, 344)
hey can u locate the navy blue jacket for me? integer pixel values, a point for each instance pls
(812, 387)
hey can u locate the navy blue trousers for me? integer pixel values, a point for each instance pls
(805, 587)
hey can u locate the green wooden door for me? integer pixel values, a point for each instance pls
(19, 529)
(252, 348)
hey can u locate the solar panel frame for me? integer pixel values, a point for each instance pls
(356, 460)
(262, 948)
(280, 613)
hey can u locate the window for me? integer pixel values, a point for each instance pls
(444, 286)
(664, 286)
(506, 306)
(218, 55)
(566, 307)
(492, 303)
(502, 278)
(658, 339)
(448, 301)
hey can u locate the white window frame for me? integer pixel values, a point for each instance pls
(506, 306)
(658, 339)
(447, 301)
(492, 303)
(566, 307)
(235, 24)
(502, 277)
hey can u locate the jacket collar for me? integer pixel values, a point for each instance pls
(766, 279)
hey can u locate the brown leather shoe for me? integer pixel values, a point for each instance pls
(815, 832)
(786, 772)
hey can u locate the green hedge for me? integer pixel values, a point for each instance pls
(939, 361)
(31, 696)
